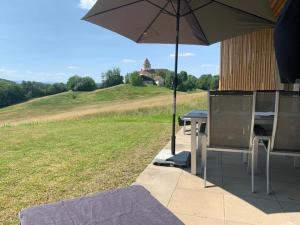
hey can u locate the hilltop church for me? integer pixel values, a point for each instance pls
(149, 75)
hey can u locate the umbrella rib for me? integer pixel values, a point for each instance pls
(172, 4)
(161, 8)
(199, 7)
(199, 25)
(115, 8)
(155, 18)
(243, 11)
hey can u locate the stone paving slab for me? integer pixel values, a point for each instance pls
(228, 199)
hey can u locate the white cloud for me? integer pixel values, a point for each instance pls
(127, 61)
(185, 54)
(4, 71)
(73, 67)
(87, 4)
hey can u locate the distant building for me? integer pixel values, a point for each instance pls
(149, 75)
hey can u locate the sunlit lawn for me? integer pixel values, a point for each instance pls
(50, 161)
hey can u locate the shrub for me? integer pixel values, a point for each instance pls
(112, 78)
(77, 83)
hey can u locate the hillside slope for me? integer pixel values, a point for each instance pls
(74, 104)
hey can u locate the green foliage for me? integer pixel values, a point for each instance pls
(12, 93)
(169, 79)
(134, 79)
(112, 78)
(77, 83)
(208, 82)
(85, 84)
(73, 81)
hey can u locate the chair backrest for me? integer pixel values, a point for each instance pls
(231, 119)
(286, 129)
(265, 101)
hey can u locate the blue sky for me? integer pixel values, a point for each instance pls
(46, 40)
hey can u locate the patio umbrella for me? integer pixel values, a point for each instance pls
(198, 22)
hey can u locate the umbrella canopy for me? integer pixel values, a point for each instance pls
(199, 22)
(202, 22)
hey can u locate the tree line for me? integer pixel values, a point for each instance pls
(185, 81)
(13, 93)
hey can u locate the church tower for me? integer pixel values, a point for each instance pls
(147, 65)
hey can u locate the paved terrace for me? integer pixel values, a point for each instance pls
(228, 199)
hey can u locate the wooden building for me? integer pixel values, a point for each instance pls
(248, 61)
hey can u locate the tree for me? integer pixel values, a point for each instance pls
(72, 82)
(56, 88)
(127, 78)
(135, 79)
(77, 83)
(112, 78)
(169, 79)
(208, 82)
(85, 84)
(10, 93)
(215, 82)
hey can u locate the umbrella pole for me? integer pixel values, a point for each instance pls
(173, 142)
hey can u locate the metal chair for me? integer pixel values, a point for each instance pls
(285, 139)
(265, 101)
(230, 125)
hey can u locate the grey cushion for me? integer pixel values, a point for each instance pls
(128, 206)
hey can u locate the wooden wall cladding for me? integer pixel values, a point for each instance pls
(248, 61)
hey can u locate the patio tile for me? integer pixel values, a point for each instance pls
(253, 210)
(160, 181)
(286, 192)
(242, 187)
(195, 220)
(292, 210)
(189, 181)
(197, 203)
(236, 223)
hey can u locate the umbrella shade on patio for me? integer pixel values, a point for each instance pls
(198, 22)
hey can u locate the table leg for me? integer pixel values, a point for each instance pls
(193, 148)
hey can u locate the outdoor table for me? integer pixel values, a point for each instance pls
(200, 116)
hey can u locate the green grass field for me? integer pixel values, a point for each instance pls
(42, 162)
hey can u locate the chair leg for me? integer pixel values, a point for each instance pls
(205, 166)
(252, 172)
(268, 171)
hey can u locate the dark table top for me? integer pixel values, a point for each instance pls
(204, 114)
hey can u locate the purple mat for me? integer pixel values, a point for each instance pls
(129, 206)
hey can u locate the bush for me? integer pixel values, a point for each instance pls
(85, 84)
(72, 82)
(112, 78)
(77, 83)
(135, 79)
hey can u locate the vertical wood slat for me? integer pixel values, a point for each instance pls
(248, 61)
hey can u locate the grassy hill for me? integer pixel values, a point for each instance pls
(93, 142)
(72, 101)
